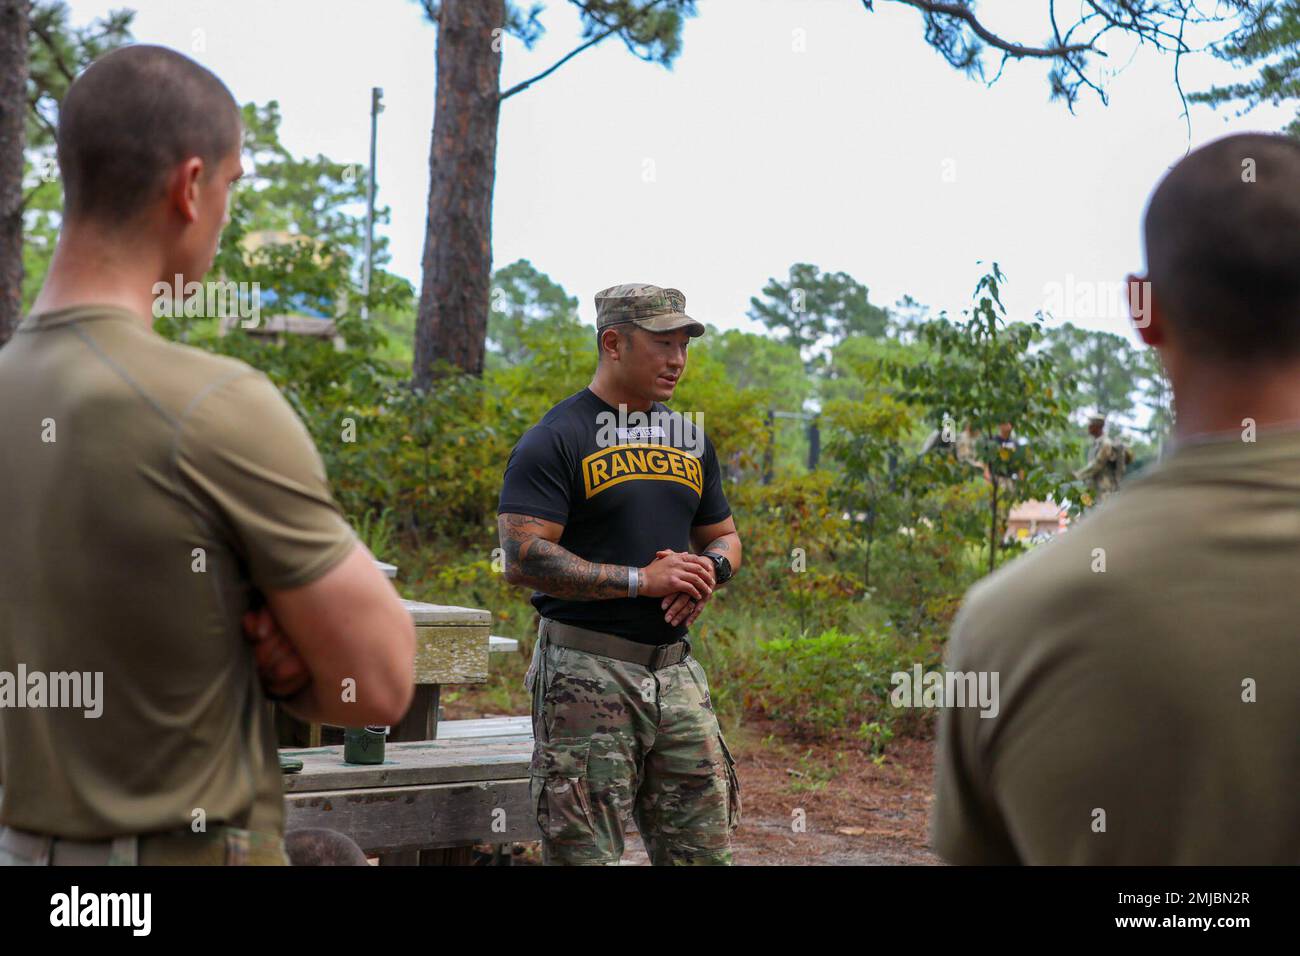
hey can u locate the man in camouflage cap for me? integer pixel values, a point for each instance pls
(1107, 461)
(618, 522)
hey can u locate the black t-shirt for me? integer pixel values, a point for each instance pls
(622, 494)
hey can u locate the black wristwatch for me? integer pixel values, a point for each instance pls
(721, 567)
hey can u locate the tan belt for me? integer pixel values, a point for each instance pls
(611, 645)
(43, 850)
(223, 845)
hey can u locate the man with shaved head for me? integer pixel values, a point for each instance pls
(1148, 660)
(154, 496)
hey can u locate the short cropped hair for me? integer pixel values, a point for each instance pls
(129, 119)
(1222, 239)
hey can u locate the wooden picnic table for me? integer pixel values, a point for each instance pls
(451, 647)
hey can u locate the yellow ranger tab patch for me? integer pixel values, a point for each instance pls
(640, 462)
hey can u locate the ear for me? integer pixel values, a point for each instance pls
(184, 190)
(608, 345)
(1144, 313)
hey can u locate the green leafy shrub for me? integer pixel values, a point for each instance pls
(836, 681)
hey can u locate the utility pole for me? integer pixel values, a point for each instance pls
(376, 106)
(814, 440)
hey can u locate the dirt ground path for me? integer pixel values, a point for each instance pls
(830, 804)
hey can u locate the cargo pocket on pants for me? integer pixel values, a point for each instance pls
(733, 787)
(558, 777)
(530, 675)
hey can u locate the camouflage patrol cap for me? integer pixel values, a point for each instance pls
(650, 307)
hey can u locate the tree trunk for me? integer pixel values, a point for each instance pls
(13, 116)
(871, 537)
(457, 268)
(993, 528)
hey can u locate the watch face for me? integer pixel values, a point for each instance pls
(722, 567)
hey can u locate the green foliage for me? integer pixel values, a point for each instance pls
(794, 540)
(925, 562)
(812, 775)
(1105, 368)
(1157, 395)
(554, 357)
(650, 29)
(42, 213)
(811, 306)
(732, 416)
(867, 440)
(1269, 40)
(772, 369)
(831, 681)
(375, 531)
(314, 197)
(772, 376)
(984, 372)
(878, 734)
(525, 299)
(907, 513)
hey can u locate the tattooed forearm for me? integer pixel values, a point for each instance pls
(553, 570)
(539, 563)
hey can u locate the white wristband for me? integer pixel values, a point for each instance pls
(633, 580)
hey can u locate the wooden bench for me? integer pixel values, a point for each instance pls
(469, 786)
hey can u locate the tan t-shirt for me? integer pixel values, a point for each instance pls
(1158, 698)
(146, 490)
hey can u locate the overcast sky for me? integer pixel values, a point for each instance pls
(788, 130)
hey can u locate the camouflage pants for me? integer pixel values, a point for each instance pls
(616, 741)
(1101, 491)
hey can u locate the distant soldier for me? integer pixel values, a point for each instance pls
(1008, 458)
(965, 449)
(961, 446)
(1107, 461)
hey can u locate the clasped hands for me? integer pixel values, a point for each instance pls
(685, 582)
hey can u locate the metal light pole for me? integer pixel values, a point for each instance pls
(376, 106)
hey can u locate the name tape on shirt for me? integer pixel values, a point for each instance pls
(640, 462)
(651, 434)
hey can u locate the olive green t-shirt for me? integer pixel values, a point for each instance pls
(1149, 677)
(147, 491)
